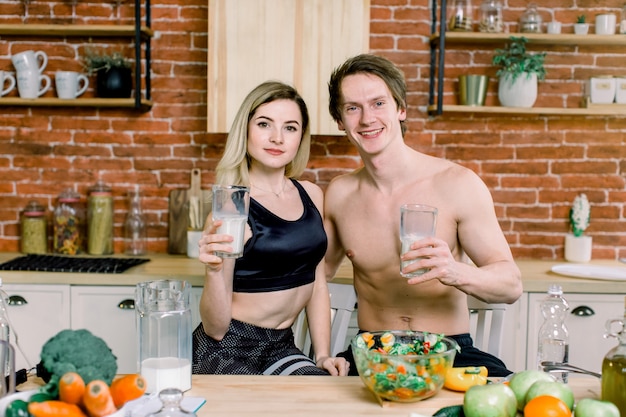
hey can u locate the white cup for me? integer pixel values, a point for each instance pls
(30, 61)
(230, 205)
(70, 84)
(4, 77)
(605, 24)
(417, 221)
(32, 84)
(554, 28)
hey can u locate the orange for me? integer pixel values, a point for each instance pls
(546, 406)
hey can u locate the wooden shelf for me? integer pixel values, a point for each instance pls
(533, 38)
(79, 102)
(73, 30)
(604, 110)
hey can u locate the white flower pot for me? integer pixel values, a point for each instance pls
(519, 93)
(581, 28)
(578, 248)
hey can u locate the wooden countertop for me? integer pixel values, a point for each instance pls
(536, 275)
(249, 396)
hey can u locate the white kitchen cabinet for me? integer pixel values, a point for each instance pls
(109, 312)
(587, 346)
(36, 312)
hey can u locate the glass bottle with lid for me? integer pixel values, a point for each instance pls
(460, 14)
(491, 17)
(34, 236)
(614, 365)
(530, 21)
(100, 220)
(69, 224)
(134, 226)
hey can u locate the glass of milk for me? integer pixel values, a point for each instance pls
(164, 334)
(230, 205)
(417, 221)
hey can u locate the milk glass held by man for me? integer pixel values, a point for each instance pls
(368, 102)
(249, 304)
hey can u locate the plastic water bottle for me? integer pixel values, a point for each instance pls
(553, 335)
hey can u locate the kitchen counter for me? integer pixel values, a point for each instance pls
(248, 396)
(536, 275)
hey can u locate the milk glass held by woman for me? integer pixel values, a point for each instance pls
(249, 303)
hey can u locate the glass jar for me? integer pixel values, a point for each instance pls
(171, 399)
(622, 24)
(491, 17)
(530, 21)
(69, 224)
(100, 220)
(34, 237)
(461, 16)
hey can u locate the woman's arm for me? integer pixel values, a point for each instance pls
(217, 293)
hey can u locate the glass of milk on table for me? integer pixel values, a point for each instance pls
(230, 205)
(164, 334)
(417, 221)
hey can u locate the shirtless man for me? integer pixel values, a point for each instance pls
(368, 102)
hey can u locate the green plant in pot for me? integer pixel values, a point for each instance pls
(114, 78)
(581, 27)
(518, 73)
(577, 245)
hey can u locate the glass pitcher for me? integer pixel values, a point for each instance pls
(164, 332)
(7, 361)
(614, 366)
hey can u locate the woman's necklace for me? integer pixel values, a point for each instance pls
(270, 191)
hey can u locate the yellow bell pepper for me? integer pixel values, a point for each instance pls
(461, 379)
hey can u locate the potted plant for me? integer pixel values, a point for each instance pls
(581, 27)
(578, 245)
(114, 77)
(518, 74)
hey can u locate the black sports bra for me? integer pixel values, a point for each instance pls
(281, 254)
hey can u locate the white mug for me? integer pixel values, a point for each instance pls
(4, 77)
(605, 24)
(30, 61)
(32, 84)
(70, 84)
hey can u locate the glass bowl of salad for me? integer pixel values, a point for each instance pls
(403, 366)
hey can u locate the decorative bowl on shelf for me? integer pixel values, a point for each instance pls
(403, 366)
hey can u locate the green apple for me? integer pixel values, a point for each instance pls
(588, 407)
(553, 388)
(521, 381)
(491, 400)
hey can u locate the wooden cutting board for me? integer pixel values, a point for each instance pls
(179, 212)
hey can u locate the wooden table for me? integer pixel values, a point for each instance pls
(319, 396)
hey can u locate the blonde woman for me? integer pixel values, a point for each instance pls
(248, 305)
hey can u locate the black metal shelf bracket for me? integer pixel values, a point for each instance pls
(437, 62)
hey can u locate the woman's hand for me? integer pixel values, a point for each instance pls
(210, 242)
(335, 366)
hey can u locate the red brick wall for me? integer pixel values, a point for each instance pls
(534, 166)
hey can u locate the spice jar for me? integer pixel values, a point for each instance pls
(531, 20)
(34, 229)
(491, 17)
(69, 224)
(461, 16)
(100, 220)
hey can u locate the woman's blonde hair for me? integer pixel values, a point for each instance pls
(232, 169)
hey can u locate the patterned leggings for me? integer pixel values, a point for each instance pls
(250, 350)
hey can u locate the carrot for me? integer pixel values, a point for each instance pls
(71, 388)
(52, 408)
(97, 399)
(126, 388)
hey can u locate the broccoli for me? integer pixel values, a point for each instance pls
(76, 351)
